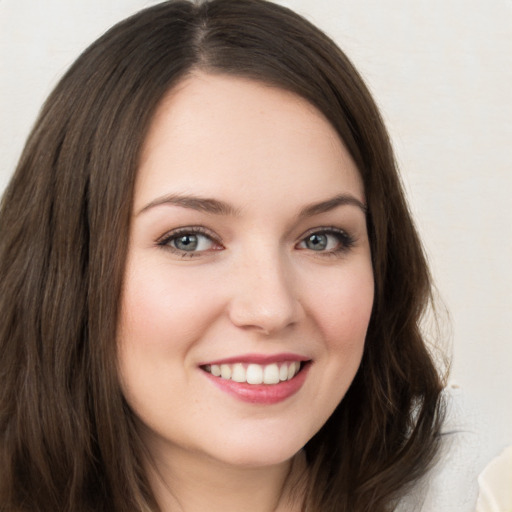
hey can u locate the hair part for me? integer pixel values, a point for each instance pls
(67, 438)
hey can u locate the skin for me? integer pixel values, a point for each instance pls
(254, 285)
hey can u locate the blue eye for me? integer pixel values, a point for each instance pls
(188, 241)
(317, 242)
(329, 241)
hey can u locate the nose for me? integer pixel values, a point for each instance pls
(264, 294)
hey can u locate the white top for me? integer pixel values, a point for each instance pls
(495, 484)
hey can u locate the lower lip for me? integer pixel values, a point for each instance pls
(265, 394)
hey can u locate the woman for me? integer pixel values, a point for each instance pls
(211, 284)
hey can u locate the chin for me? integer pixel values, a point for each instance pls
(255, 458)
(251, 448)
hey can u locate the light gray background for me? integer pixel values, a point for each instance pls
(441, 72)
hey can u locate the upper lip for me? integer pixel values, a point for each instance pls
(261, 359)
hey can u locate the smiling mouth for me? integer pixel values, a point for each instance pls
(253, 373)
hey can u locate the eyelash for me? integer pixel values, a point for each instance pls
(345, 241)
(168, 238)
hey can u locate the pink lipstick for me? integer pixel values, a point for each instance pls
(259, 379)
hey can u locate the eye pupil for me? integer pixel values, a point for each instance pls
(186, 243)
(317, 242)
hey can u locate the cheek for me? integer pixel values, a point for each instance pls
(163, 315)
(159, 305)
(342, 313)
(344, 308)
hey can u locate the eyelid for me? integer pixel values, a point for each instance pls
(346, 239)
(163, 241)
(198, 229)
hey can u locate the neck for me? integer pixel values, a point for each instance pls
(195, 483)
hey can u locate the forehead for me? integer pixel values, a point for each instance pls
(220, 135)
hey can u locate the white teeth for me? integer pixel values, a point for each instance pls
(292, 370)
(225, 371)
(238, 373)
(255, 373)
(271, 374)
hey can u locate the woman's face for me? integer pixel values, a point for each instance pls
(249, 285)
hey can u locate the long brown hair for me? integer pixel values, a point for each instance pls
(67, 438)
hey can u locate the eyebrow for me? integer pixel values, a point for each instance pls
(202, 204)
(330, 204)
(216, 207)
